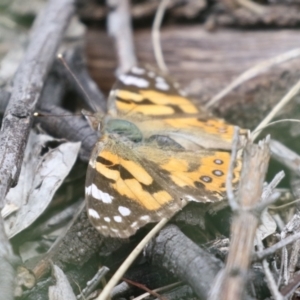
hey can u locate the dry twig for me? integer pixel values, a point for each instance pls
(287, 97)
(270, 279)
(284, 155)
(245, 223)
(119, 27)
(127, 263)
(252, 6)
(27, 87)
(253, 72)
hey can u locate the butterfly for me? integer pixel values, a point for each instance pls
(156, 149)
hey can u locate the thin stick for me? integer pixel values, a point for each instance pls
(253, 72)
(145, 288)
(252, 6)
(270, 279)
(161, 289)
(255, 132)
(91, 286)
(291, 93)
(284, 205)
(129, 260)
(268, 191)
(156, 35)
(271, 250)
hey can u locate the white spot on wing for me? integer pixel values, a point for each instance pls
(113, 93)
(159, 79)
(92, 164)
(114, 230)
(124, 211)
(189, 198)
(98, 194)
(107, 219)
(88, 190)
(138, 71)
(133, 224)
(162, 86)
(145, 218)
(151, 74)
(132, 80)
(118, 219)
(182, 93)
(93, 213)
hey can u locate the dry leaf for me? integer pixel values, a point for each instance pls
(41, 175)
(62, 289)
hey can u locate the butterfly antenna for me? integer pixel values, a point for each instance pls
(65, 64)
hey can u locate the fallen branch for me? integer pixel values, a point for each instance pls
(27, 86)
(183, 258)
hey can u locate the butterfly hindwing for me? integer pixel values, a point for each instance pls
(121, 194)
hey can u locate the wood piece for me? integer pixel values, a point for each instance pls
(184, 259)
(279, 15)
(244, 224)
(284, 155)
(28, 83)
(144, 10)
(204, 63)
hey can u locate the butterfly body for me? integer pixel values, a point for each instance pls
(157, 149)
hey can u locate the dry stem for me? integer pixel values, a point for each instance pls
(245, 223)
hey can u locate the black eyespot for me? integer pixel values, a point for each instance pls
(217, 172)
(199, 185)
(218, 161)
(206, 179)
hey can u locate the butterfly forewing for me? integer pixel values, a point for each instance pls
(144, 93)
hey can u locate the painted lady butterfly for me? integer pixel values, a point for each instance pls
(156, 149)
